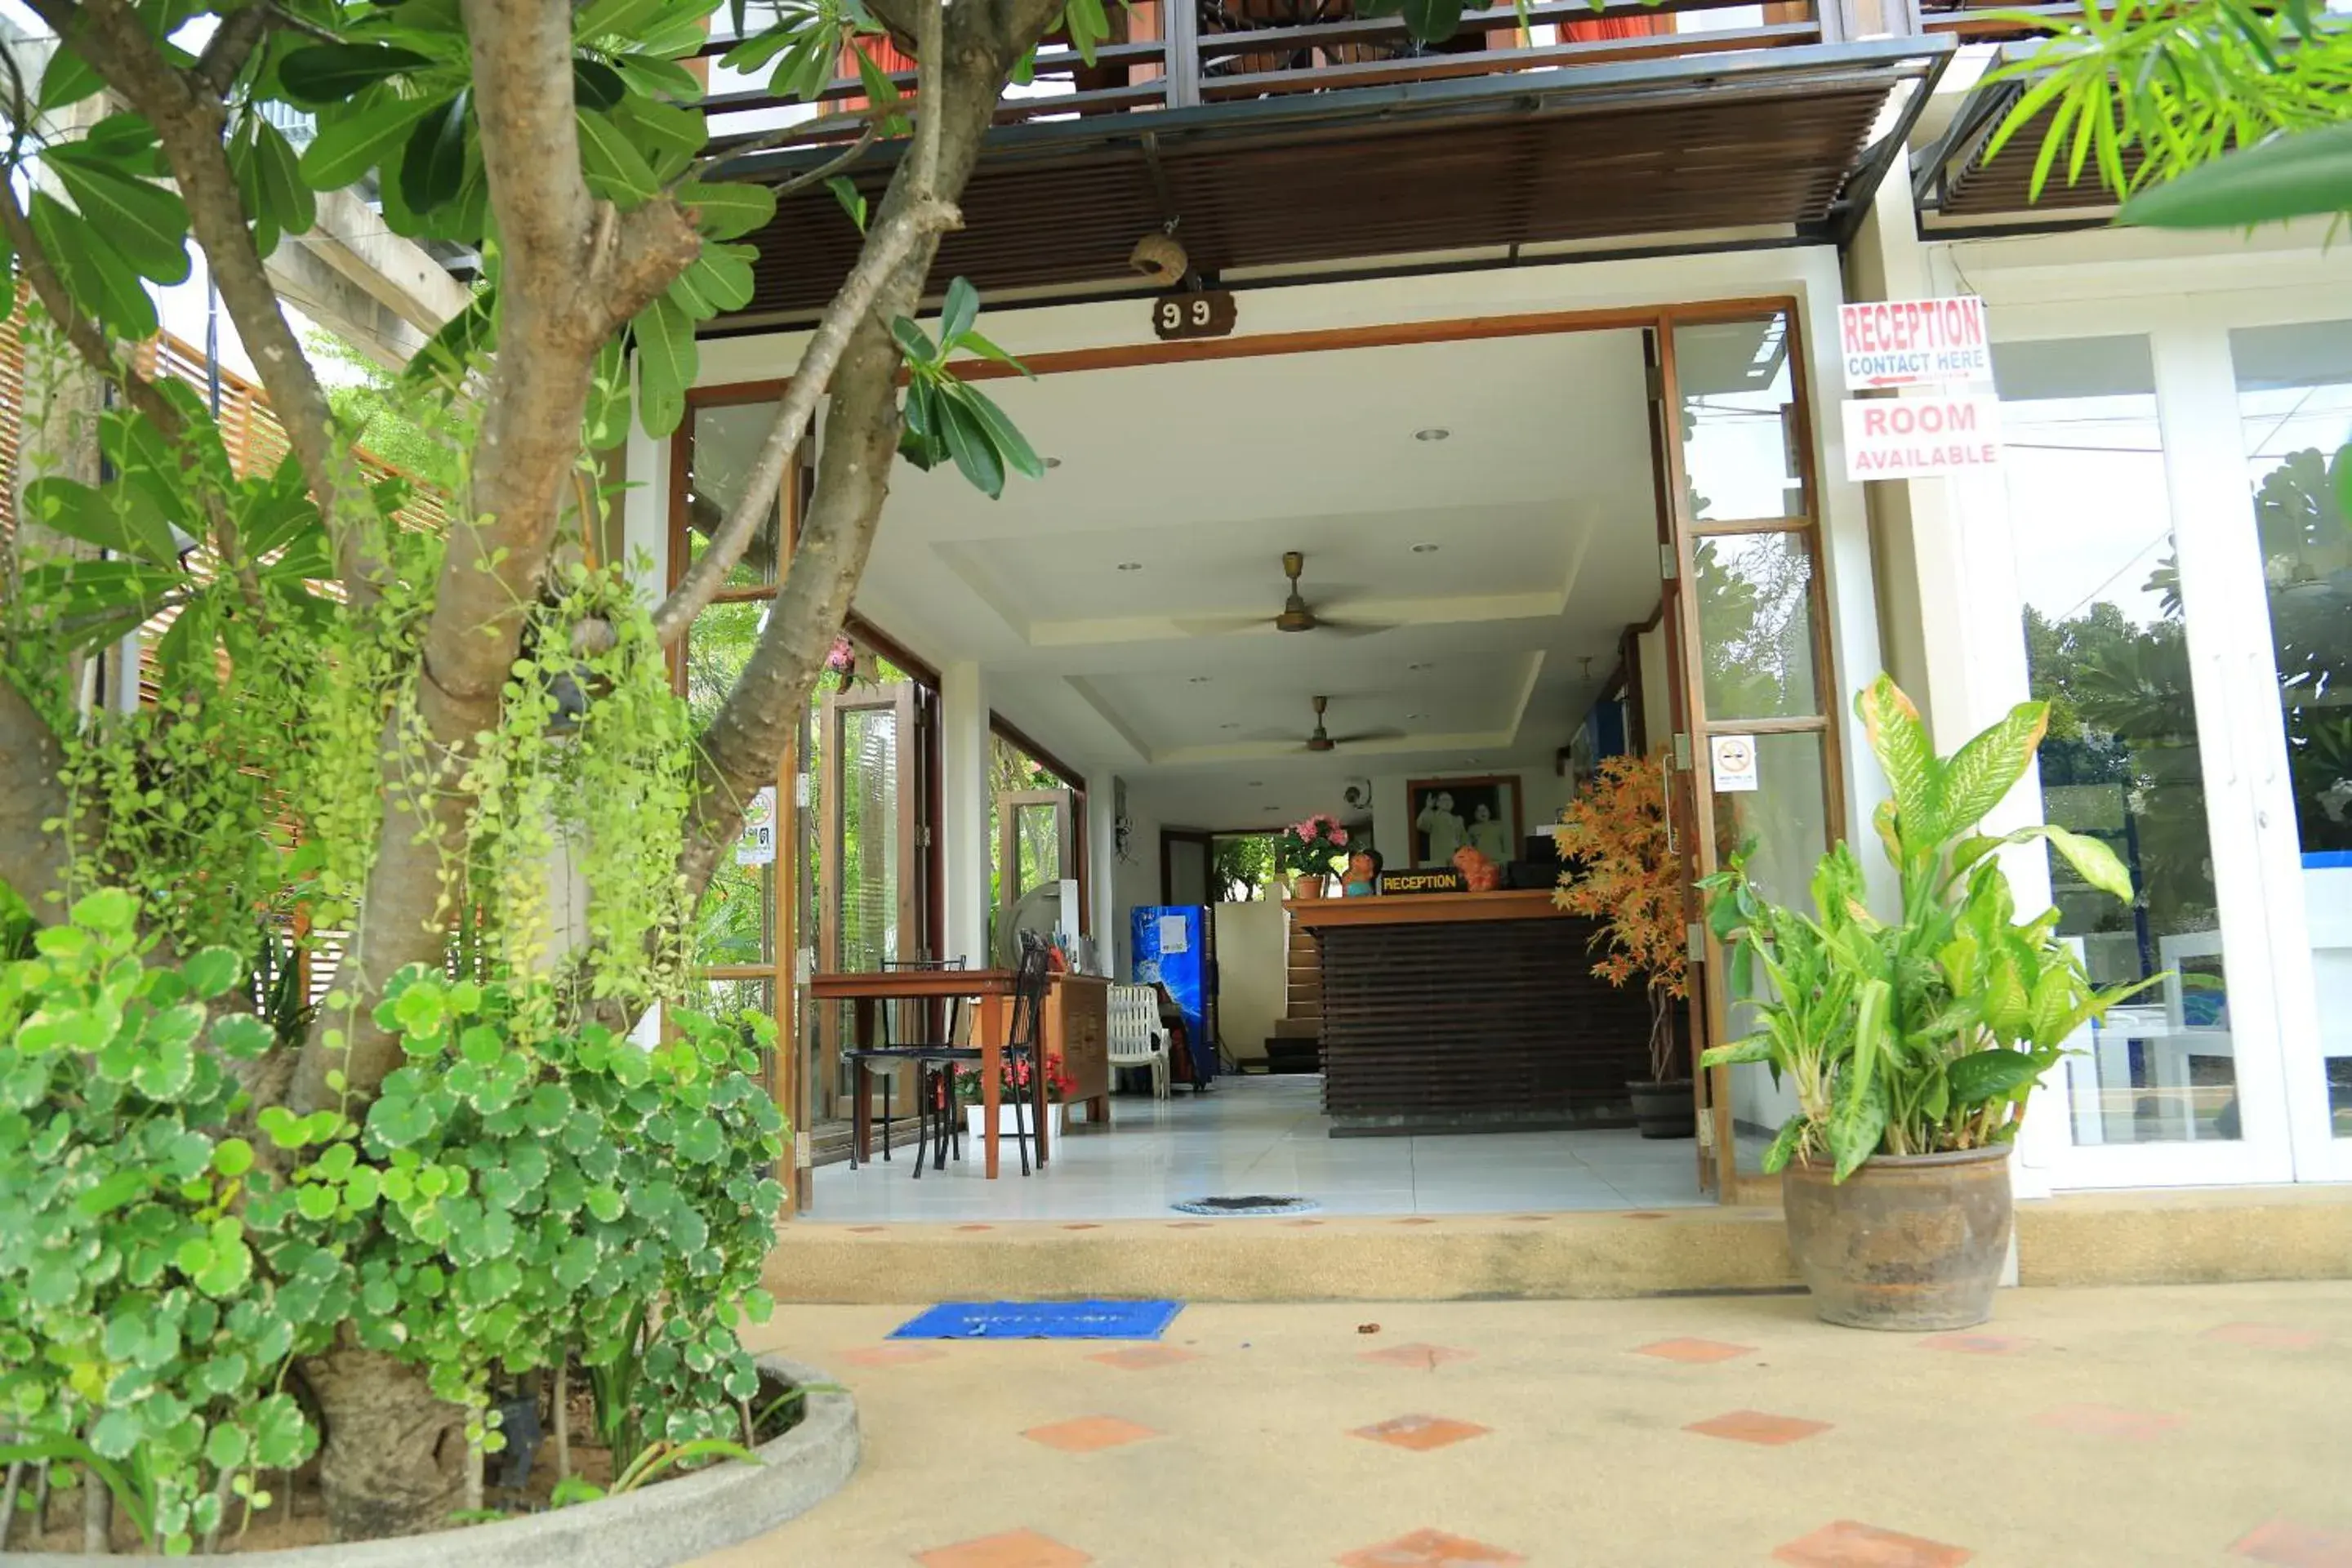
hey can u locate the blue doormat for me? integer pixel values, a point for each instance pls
(1040, 1321)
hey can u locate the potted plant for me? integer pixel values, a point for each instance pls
(1912, 1045)
(1619, 866)
(1013, 1084)
(1310, 849)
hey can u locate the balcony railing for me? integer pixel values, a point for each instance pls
(1175, 54)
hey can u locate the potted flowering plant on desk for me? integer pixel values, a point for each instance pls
(1013, 1083)
(1619, 866)
(1912, 1045)
(1312, 848)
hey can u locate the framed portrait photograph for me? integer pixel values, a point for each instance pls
(1448, 814)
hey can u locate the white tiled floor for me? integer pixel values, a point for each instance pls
(1268, 1135)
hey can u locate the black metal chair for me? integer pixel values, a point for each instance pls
(1023, 1048)
(889, 1053)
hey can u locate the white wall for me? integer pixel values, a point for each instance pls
(1253, 973)
(1657, 706)
(1134, 882)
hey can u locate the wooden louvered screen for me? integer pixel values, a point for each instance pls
(1486, 1023)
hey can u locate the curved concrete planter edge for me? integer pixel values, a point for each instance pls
(667, 1522)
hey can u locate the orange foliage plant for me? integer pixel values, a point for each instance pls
(1619, 865)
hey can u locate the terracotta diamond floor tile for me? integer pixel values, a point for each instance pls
(2106, 1420)
(1693, 1351)
(1757, 1427)
(2290, 1545)
(1417, 1356)
(2266, 1336)
(1013, 1549)
(1421, 1433)
(1188, 1225)
(1416, 1219)
(1088, 1434)
(1083, 1224)
(1847, 1544)
(1642, 1213)
(891, 1356)
(1426, 1549)
(1977, 1344)
(1142, 1358)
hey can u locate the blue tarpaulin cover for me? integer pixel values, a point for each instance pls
(1040, 1321)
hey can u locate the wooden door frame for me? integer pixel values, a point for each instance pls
(1068, 816)
(1168, 835)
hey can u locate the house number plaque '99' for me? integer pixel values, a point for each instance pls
(1200, 314)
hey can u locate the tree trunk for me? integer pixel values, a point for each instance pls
(394, 1456)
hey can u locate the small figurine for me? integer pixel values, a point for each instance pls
(1479, 874)
(1363, 877)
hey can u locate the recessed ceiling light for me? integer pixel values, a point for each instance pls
(1201, 680)
(1434, 433)
(1053, 462)
(1229, 726)
(1424, 550)
(1416, 666)
(1130, 565)
(1416, 715)
(1257, 783)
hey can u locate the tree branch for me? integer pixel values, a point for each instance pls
(190, 123)
(34, 859)
(232, 43)
(884, 249)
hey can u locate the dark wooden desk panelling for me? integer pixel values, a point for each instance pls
(1473, 1023)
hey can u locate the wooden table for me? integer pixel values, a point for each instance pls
(992, 987)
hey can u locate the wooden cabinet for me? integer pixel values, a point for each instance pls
(1078, 1030)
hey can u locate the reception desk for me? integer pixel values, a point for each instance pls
(1468, 1012)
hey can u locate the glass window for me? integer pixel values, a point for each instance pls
(1740, 431)
(725, 444)
(2106, 646)
(870, 933)
(2294, 401)
(1756, 625)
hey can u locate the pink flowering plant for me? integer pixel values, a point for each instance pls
(841, 662)
(1313, 846)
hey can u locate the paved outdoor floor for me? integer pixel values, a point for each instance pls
(2208, 1426)
(1268, 1134)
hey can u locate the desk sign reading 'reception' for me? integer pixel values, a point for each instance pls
(1443, 882)
(1913, 343)
(1921, 437)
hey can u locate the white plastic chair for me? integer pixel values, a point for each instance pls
(1135, 1037)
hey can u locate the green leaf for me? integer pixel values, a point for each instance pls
(913, 342)
(317, 1203)
(1003, 435)
(665, 364)
(347, 148)
(241, 1035)
(852, 200)
(146, 224)
(1988, 767)
(432, 164)
(68, 78)
(594, 84)
(110, 911)
(722, 276)
(2302, 174)
(285, 198)
(1982, 1077)
(118, 518)
(975, 455)
(615, 169)
(959, 310)
(1898, 738)
(116, 1434)
(1858, 1124)
(667, 135)
(728, 211)
(113, 1192)
(322, 76)
(232, 1157)
(1433, 21)
(212, 972)
(95, 273)
(226, 1445)
(2091, 858)
(1784, 1146)
(166, 1073)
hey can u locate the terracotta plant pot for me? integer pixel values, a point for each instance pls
(1664, 1109)
(1911, 1243)
(1306, 887)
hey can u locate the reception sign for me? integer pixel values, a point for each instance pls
(1921, 437)
(1914, 343)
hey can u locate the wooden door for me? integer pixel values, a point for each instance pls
(1035, 843)
(1748, 618)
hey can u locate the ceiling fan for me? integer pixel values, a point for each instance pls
(1324, 741)
(1296, 615)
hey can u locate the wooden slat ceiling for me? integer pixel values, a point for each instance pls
(1506, 173)
(1977, 187)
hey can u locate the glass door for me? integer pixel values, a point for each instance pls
(1747, 608)
(2293, 392)
(2129, 582)
(871, 874)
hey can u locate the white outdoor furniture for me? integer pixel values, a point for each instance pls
(1135, 1037)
